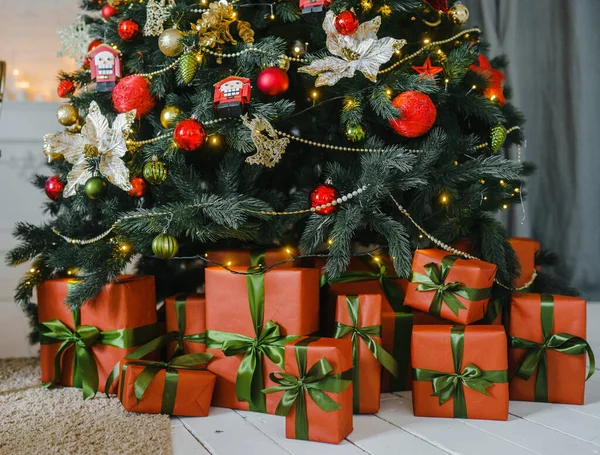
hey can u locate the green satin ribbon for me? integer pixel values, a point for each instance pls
(180, 314)
(83, 337)
(366, 334)
(403, 317)
(535, 359)
(493, 310)
(316, 381)
(445, 293)
(451, 385)
(268, 341)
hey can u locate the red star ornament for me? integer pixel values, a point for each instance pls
(438, 5)
(428, 71)
(495, 91)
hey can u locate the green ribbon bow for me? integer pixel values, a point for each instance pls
(366, 334)
(447, 385)
(536, 359)
(316, 381)
(435, 280)
(180, 313)
(183, 362)
(83, 337)
(268, 341)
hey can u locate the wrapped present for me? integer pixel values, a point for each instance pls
(177, 387)
(358, 318)
(548, 347)
(317, 397)
(283, 257)
(186, 319)
(460, 372)
(451, 287)
(526, 250)
(82, 348)
(250, 316)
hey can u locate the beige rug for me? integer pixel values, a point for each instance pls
(40, 421)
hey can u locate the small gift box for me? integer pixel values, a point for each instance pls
(358, 318)
(548, 347)
(186, 320)
(282, 257)
(451, 287)
(250, 316)
(526, 250)
(460, 372)
(82, 348)
(317, 397)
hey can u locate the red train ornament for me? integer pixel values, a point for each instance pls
(232, 96)
(314, 9)
(105, 66)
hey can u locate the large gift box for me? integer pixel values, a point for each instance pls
(316, 387)
(548, 347)
(358, 318)
(186, 321)
(282, 257)
(451, 287)
(82, 348)
(460, 372)
(250, 316)
(526, 250)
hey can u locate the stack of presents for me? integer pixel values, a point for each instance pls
(288, 341)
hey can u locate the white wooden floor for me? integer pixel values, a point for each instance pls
(532, 428)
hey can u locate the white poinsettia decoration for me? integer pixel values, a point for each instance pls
(97, 144)
(362, 51)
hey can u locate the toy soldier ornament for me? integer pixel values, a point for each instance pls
(314, 9)
(105, 66)
(232, 96)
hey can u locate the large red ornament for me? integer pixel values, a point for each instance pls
(94, 44)
(417, 114)
(189, 134)
(324, 194)
(138, 187)
(54, 187)
(346, 23)
(65, 88)
(495, 91)
(428, 71)
(273, 81)
(133, 92)
(109, 11)
(128, 29)
(438, 5)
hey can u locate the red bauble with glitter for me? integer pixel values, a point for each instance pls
(324, 194)
(65, 88)
(273, 81)
(189, 134)
(94, 44)
(133, 92)
(138, 187)
(109, 11)
(417, 114)
(346, 23)
(128, 29)
(54, 187)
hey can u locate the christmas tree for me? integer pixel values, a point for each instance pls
(333, 127)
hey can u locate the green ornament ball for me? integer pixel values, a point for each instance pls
(355, 133)
(165, 246)
(155, 172)
(95, 187)
(498, 137)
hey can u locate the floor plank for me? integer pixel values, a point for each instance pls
(183, 441)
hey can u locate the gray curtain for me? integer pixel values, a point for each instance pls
(554, 52)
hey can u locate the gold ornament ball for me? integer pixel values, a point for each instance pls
(169, 42)
(67, 115)
(283, 63)
(459, 14)
(169, 116)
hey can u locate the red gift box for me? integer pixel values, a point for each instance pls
(186, 317)
(526, 250)
(245, 258)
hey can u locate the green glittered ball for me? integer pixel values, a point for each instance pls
(355, 133)
(165, 246)
(95, 187)
(498, 137)
(155, 172)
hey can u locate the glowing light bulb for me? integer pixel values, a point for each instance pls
(297, 49)
(517, 190)
(228, 263)
(32, 270)
(288, 251)
(493, 97)
(474, 87)
(426, 41)
(376, 259)
(504, 206)
(329, 242)
(314, 94)
(272, 16)
(388, 92)
(420, 236)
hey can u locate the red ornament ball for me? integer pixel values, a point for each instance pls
(139, 187)
(94, 44)
(189, 134)
(54, 187)
(109, 11)
(65, 88)
(417, 114)
(273, 81)
(133, 92)
(128, 29)
(324, 194)
(346, 23)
